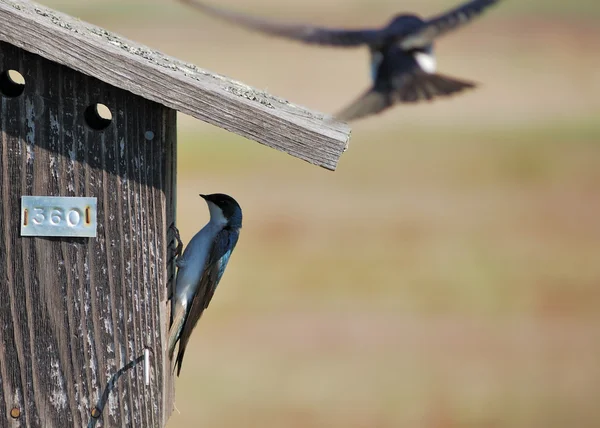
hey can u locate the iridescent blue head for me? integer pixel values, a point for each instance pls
(405, 23)
(224, 209)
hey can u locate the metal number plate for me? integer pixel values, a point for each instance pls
(58, 216)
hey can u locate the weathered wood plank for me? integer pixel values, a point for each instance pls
(215, 99)
(76, 311)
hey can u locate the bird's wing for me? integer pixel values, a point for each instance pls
(444, 23)
(217, 261)
(417, 86)
(303, 33)
(219, 255)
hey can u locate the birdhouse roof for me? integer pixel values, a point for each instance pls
(184, 87)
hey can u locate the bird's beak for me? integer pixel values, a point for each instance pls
(203, 196)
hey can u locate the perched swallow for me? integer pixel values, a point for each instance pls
(403, 65)
(200, 269)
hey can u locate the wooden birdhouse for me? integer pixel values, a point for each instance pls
(88, 148)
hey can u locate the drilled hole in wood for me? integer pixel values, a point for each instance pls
(98, 116)
(12, 83)
(95, 413)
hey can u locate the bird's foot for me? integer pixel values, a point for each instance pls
(176, 258)
(179, 247)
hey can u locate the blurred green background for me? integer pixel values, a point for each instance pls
(447, 275)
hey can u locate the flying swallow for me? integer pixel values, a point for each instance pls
(403, 65)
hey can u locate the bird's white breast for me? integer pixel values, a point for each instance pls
(426, 61)
(194, 259)
(216, 215)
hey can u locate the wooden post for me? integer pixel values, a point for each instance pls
(76, 312)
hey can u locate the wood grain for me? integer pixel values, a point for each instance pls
(184, 87)
(76, 311)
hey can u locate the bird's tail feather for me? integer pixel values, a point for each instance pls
(411, 88)
(176, 329)
(425, 87)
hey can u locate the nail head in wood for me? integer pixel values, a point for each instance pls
(15, 413)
